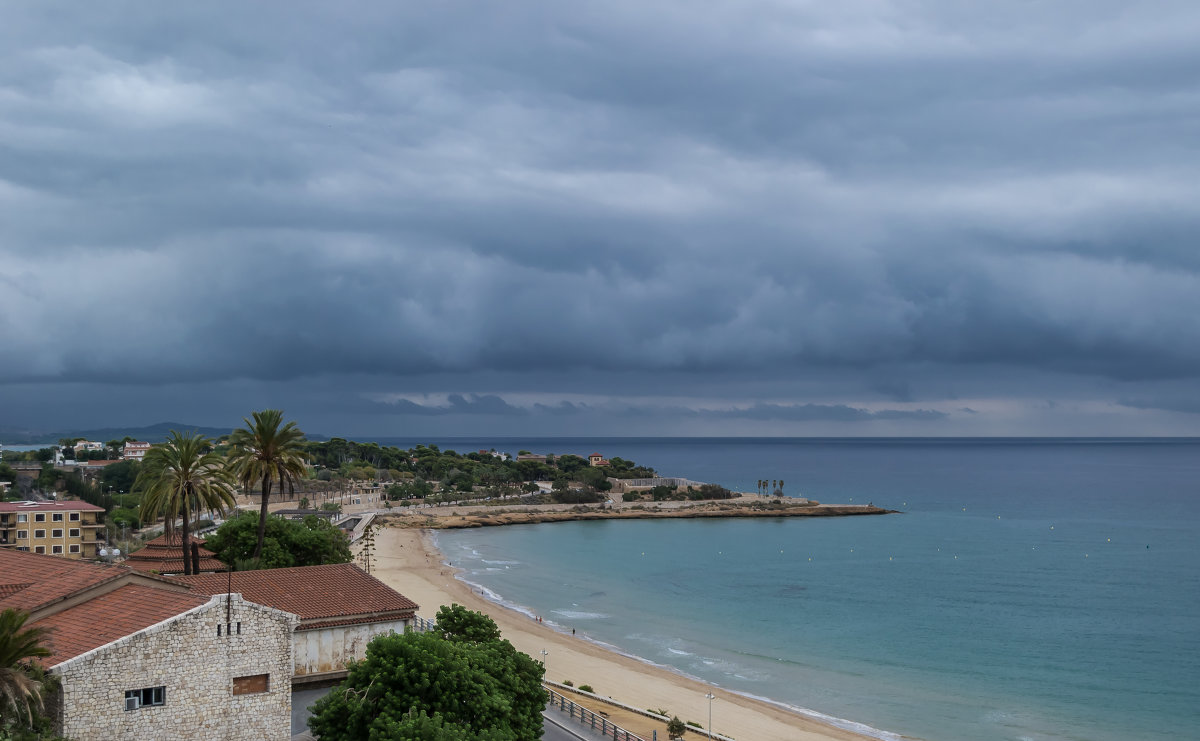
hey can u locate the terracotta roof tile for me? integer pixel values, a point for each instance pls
(110, 616)
(336, 592)
(29, 581)
(47, 578)
(164, 555)
(173, 566)
(10, 589)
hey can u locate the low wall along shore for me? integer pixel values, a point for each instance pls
(447, 518)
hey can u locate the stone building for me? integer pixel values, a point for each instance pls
(341, 608)
(220, 669)
(147, 656)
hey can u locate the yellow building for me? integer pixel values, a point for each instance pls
(72, 529)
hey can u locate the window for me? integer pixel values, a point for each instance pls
(56, 532)
(22, 518)
(74, 517)
(253, 684)
(39, 549)
(74, 548)
(39, 533)
(74, 532)
(147, 697)
(57, 516)
(39, 517)
(58, 549)
(22, 534)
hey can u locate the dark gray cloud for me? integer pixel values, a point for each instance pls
(869, 214)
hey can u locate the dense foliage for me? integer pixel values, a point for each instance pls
(21, 684)
(460, 682)
(478, 473)
(308, 542)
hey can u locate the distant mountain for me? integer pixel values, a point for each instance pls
(155, 433)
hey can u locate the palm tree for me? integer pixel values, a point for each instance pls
(179, 478)
(266, 450)
(17, 646)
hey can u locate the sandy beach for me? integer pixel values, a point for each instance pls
(408, 561)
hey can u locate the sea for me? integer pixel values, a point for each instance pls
(1027, 589)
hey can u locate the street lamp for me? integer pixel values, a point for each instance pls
(110, 554)
(710, 697)
(545, 663)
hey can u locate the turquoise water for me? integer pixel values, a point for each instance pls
(1043, 590)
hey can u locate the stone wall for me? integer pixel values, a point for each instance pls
(196, 667)
(329, 649)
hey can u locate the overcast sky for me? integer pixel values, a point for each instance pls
(603, 218)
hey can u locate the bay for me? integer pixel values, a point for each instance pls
(1029, 589)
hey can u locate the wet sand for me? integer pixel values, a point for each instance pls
(408, 562)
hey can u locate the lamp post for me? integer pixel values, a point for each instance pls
(545, 663)
(710, 697)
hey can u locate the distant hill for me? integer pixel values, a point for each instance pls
(155, 433)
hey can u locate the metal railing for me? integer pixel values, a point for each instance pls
(596, 721)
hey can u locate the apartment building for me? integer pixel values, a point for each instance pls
(72, 529)
(135, 451)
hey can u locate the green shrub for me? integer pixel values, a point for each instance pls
(568, 683)
(586, 688)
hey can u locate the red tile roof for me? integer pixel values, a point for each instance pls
(332, 594)
(171, 566)
(67, 506)
(110, 616)
(47, 578)
(31, 581)
(164, 555)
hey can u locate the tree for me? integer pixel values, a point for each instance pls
(460, 685)
(309, 542)
(457, 623)
(180, 478)
(267, 450)
(676, 728)
(20, 690)
(121, 475)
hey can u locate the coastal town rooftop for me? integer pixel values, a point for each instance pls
(323, 596)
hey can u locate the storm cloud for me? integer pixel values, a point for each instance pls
(809, 218)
